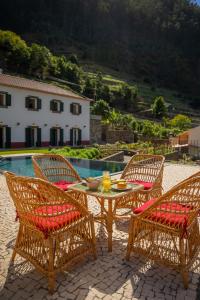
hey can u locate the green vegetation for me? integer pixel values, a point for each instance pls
(101, 107)
(156, 41)
(180, 121)
(140, 147)
(38, 61)
(89, 153)
(145, 128)
(23, 151)
(159, 107)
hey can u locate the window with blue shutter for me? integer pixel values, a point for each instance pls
(33, 103)
(75, 108)
(5, 99)
(56, 106)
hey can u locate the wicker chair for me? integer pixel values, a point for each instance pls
(146, 170)
(58, 170)
(55, 230)
(167, 229)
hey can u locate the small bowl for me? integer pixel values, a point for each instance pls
(93, 185)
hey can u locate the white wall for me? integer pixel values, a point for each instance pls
(17, 112)
(194, 136)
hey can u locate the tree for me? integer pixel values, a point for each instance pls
(104, 31)
(101, 107)
(159, 108)
(89, 88)
(70, 72)
(128, 96)
(180, 121)
(40, 60)
(73, 59)
(14, 52)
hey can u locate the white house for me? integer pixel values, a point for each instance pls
(194, 136)
(39, 114)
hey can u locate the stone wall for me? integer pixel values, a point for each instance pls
(95, 129)
(112, 136)
(102, 134)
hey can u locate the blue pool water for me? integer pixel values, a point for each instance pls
(85, 168)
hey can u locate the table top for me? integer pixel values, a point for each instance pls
(81, 187)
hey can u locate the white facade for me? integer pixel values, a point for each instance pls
(18, 117)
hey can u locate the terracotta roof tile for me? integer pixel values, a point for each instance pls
(23, 83)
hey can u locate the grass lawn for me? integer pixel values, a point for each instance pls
(23, 151)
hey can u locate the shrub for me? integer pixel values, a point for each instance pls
(159, 107)
(180, 121)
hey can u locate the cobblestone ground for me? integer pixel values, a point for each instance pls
(108, 277)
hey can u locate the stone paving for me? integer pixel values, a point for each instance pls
(108, 277)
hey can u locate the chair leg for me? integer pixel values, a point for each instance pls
(93, 239)
(51, 275)
(130, 239)
(184, 271)
(51, 284)
(16, 243)
(185, 276)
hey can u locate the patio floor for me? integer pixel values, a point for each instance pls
(108, 277)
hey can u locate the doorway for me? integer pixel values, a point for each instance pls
(2, 137)
(56, 137)
(33, 136)
(5, 137)
(75, 136)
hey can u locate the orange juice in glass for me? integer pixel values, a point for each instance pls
(106, 181)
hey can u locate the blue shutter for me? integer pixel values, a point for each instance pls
(61, 143)
(26, 102)
(39, 103)
(71, 136)
(39, 137)
(51, 105)
(79, 137)
(8, 100)
(28, 137)
(8, 137)
(61, 106)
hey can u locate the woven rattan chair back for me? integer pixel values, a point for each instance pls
(144, 167)
(55, 229)
(54, 168)
(29, 193)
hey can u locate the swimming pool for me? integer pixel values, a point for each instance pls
(85, 168)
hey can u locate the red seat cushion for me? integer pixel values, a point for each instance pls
(147, 185)
(63, 184)
(47, 218)
(144, 206)
(175, 214)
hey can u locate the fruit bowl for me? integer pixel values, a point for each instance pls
(92, 183)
